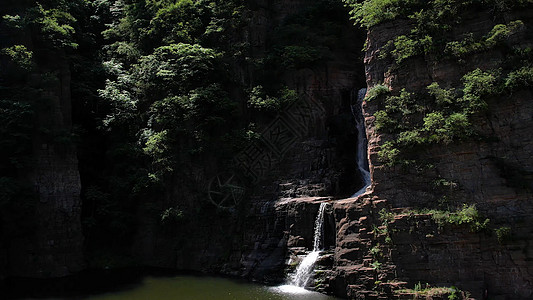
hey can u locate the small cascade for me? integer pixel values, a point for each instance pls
(304, 271)
(362, 160)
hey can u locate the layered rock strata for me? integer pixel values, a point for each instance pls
(375, 257)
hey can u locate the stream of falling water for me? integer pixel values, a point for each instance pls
(304, 271)
(362, 163)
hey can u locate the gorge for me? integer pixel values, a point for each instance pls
(232, 137)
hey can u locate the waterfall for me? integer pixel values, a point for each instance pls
(362, 160)
(305, 268)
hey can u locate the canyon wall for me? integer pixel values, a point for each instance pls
(41, 233)
(55, 246)
(382, 244)
(378, 245)
(376, 256)
(307, 151)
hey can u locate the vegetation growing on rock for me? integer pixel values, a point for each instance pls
(441, 114)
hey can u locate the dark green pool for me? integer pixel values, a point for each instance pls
(206, 288)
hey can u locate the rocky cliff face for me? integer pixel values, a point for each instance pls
(307, 151)
(55, 248)
(46, 240)
(377, 244)
(372, 258)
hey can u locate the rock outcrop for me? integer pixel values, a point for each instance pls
(55, 248)
(46, 240)
(492, 174)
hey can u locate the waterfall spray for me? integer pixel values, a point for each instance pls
(305, 268)
(362, 163)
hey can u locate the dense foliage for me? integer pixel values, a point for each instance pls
(165, 94)
(28, 79)
(168, 110)
(435, 14)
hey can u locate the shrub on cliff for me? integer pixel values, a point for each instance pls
(53, 21)
(376, 91)
(520, 78)
(20, 55)
(370, 13)
(259, 100)
(373, 12)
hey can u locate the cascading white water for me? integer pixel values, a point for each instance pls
(305, 268)
(362, 161)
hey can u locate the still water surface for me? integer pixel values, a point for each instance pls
(207, 288)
